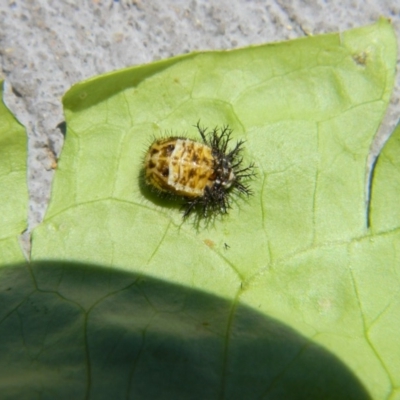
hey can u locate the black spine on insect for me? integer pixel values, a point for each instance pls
(228, 173)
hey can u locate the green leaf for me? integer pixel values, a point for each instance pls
(385, 209)
(133, 302)
(13, 187)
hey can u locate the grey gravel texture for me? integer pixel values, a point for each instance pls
(47, 46)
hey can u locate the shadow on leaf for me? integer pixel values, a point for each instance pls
(87, 332)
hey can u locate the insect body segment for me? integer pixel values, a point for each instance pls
(203, 173)
(180, 166)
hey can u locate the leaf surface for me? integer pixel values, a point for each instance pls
(13, 187)
(304, 301)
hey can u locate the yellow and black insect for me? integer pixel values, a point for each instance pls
(202, 173)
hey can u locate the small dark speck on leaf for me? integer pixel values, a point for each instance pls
(360, 58)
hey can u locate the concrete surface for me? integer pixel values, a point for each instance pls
(47, 46)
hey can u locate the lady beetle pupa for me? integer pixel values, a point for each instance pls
(203, 173)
